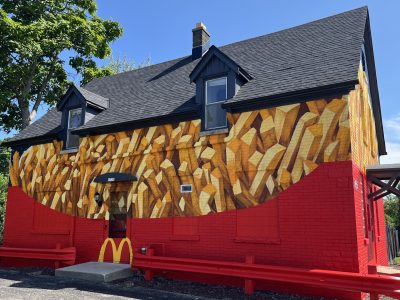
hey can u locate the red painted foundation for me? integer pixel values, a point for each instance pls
(316, 223)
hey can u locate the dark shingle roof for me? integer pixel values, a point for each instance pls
(47, 125)
(315, 54)
(93, 98)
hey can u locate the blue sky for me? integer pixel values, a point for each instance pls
(162, 30)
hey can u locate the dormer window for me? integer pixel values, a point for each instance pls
(218, 79)
(78, 106)
(215, 95)
(74, 121)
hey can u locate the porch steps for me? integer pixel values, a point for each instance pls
(95, 271)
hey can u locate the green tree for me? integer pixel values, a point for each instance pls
(3, 196)
(4, 165)
(4, 159)
(392, 211)
(116, 65)
(35, 35)
(123, 64)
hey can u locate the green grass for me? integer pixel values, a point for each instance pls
(396, 261)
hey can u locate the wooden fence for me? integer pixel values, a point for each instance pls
(392, 243)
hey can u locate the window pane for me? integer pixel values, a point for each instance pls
(74, 118)
(72, 140)
(216, 90)
(215, 116)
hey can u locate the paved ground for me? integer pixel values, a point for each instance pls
(41, 284)
(36, 284)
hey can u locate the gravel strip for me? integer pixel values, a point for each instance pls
(38, 283)
(204, 290)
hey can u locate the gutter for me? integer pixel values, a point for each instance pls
(32, 140)
(290, 97)
(130, 125)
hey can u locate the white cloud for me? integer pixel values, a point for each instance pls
(392, 128)
(393, 156)
(392, 136)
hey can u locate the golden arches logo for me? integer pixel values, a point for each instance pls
(117, 252)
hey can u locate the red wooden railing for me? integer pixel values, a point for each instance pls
(371, 283)
(58, 255)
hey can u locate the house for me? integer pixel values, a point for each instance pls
(258, 147)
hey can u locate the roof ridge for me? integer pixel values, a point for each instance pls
(297, 26)
(91, 92)
(136, 70)
(365, 7)
(298, 59)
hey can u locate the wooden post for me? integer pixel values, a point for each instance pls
(249, 283)
(149, 274)
(372, 269)
(57, 263)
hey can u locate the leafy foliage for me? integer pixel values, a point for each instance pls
(123, 64)
(4, 160)
(3, 196)
(115, 65)
(34, 34)
(4, 165)
(392, 211)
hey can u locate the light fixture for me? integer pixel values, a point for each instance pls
(97, 199)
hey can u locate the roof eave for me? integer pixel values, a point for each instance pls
(376, 106)
(291, 97)
(222, 56)
(95, 105)
(31, 141)
(170, 118)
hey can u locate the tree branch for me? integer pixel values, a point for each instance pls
(42, 87)
(28, 84)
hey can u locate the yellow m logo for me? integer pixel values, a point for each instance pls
(116, 251)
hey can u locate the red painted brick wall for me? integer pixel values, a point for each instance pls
(311, 224)
(381, 242)
(370, 225)
(316, 223)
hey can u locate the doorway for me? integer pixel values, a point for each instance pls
(118, 215)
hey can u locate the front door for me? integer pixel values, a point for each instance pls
(118, 215)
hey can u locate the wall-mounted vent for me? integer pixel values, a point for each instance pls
(186, 188)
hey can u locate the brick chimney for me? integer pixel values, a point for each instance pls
(201, 40)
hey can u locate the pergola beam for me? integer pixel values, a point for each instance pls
(387, 177)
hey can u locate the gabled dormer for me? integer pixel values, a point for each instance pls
(78, 106)
(217, 78)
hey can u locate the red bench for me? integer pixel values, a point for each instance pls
(58, 255)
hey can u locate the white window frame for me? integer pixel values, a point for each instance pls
(184, 186)
(69, 129)
(206, 98)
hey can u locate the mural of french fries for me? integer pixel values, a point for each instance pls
(264, 153)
